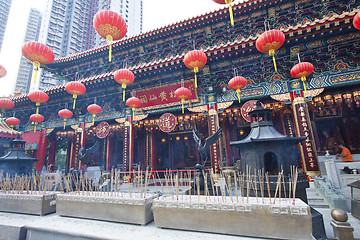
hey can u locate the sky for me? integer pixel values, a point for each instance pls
(156, 13)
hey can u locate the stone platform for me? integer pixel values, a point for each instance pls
(55, 227)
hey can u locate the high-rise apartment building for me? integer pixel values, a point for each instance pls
(23, 79)
(4, 14)
(67, 27)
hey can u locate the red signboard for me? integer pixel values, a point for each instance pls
(102, 130)
(248, 107)
(164, 95)
(167, 122)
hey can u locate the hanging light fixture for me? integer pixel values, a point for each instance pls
(94, 109)
(12, 121)
(182, 93)
(195, 60)
(124, 77)
(75, 88)
(133, 103)
(38, 97)
(111, 26)
(237, 83)
(38, 54)
(36, 118)
(65, 114)
(269, 42)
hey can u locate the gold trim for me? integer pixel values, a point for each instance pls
(299, 100)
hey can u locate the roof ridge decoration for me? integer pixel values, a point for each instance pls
(208, 50)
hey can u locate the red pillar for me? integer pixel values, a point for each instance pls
(303, 128)
(213, 125)
(41, 152)
(108, 152)
(128, 152)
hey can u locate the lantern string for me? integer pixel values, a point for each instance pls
(299, 57)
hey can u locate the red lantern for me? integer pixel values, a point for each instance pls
(195, 60)
(38, 54)
(65, 114)
(110, 25)
(182, 93)
(124, 77)
(230, 8)
(269, 42)
(6, 104)
(356, 21)
(2, 72)
(38, 97)
(76, 89)
(94, 109)
(36, 118)
(302, 70)
(237, 83)
(133, 103)
(12, 121)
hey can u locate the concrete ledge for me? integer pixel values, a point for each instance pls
(280, 220)
(336, 200)
(66, 228)
(126, 208)
(12, 225)
(37, 204)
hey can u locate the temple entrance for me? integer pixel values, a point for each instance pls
(271, 163)
(175, 151)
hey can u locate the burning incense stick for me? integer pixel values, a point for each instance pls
(255, 184)
(236, 190)
(268, 185)
(294, 184)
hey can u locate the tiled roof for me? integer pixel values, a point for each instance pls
(211, 50)
(5, 131)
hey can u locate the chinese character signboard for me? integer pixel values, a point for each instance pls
(167, 122)
(303, 128)
(163, 95)
(102, 130)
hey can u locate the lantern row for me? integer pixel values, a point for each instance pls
(112, 27)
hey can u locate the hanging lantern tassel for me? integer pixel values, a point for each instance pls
(2, 114)
(64, 123)
(109, 39)
(196, 70)
(272, 53)
(238, 94)
(230, 12)
(93, 121)
(133, 112)
(37, 108)
(182, 103)
(35, 127)
(304, 83)
(124, 87)
(12, 129)
(36, 65)
(75, 97)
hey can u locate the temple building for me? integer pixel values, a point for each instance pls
(159, 136)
